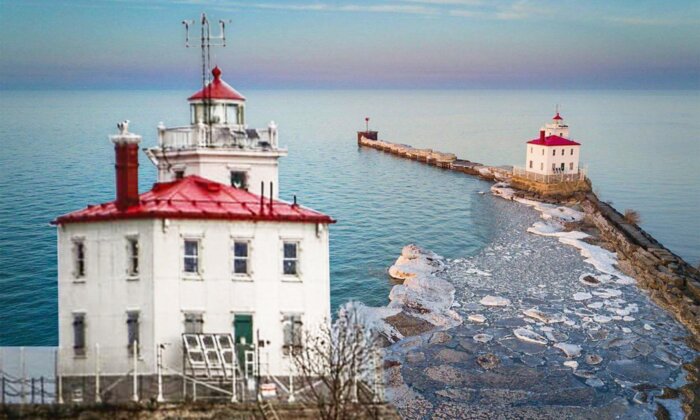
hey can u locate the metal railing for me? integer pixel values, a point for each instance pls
(556, 178)
(221, 136)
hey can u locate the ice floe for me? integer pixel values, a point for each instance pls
(529, 336)
(570, 350)
(494, 301)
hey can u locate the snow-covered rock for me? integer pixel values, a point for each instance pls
(494, 301)
(530, 336)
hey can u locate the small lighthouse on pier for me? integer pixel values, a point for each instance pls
(552, 162)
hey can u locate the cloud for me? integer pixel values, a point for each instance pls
(642, 21)
(349, 8)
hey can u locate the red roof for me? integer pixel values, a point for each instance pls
(217, 89)
(194, 197)
(557, 117)
(554, 141)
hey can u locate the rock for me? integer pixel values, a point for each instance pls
(452, 356)
(409, 325)
(541, 316)
(593, 359)
(414, 261)
(494, 301)
(478, 318)
(570, 350)
(589, 280)
(445, 374)
(415, 357)
(440, 337)
(579, 296)
(529, 336)
(483, 338)
(487, 361)
(572, 364)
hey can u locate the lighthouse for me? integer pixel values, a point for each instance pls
(205, 279)
(218, 144)
(553, 153)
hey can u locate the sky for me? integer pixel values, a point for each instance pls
(362, 44)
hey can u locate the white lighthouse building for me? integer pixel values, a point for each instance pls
(553, 153)
(198, 259)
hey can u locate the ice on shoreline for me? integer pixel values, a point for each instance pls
(553, 225)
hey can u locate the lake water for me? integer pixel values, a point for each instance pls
(640, 147)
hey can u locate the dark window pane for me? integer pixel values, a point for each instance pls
(191, 265)
(191, 247)
(290, 267)
(240, 266)
(290, 250)
(238, 179)
(240, 249)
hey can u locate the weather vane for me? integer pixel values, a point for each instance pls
(207, 41)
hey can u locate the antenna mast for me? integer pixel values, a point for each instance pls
(207, 41)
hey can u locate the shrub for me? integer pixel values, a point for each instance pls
(632, 216)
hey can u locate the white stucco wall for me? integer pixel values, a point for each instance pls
(542, 158)
(163, 293)
(217, 165)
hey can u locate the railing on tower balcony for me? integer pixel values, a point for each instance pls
(218, 136)
(561, 176)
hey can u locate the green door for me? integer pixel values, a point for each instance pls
(243, 334)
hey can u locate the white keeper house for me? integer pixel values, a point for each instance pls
(210, 249)
(553, 152)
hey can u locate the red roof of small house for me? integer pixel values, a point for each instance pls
(557, 117)
(217, 89)
(194, 197)
(554, 141)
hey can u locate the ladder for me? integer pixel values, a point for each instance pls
(267, 410)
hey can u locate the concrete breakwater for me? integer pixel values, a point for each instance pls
(674, 284)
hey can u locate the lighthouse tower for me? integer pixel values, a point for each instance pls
(218, 144)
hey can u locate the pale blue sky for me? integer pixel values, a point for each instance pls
(136, 44)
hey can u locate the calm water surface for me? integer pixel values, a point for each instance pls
(641, 149)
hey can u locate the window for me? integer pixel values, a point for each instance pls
(531, 149)
(79, 334)
(239, 180)
(292, 331)
(542, 152)
(561, 168)
(572, 152)
(241, 255)
(132, 330)
(290, 262)
(554, 152)
(541, 166)
(78, 258)
(179, 174)
(530, 164)
(554, 166)
(132, 250)
(191, 257)
(194, 323)
(571, 166)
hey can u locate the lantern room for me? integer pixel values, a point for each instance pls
(217, 103)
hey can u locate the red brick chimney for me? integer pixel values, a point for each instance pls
(126, 157)
(542, 135)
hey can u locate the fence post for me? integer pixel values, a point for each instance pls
(42, 390)
(160, 398)
(291, 379)
(24, 375)
(59, 379)
(32, 390)
(234, 397)
(3, 390)
(98, 398)
(135, 397)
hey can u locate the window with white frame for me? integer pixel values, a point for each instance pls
(241, 257)
(79, 268)
(194, 323)
(571, 166)
(562, 152)
(290, 260)
(554, 152)
(572, 152)
(292, 333)
(132, 330)
(191, 260)
(541, 166)
(132, 255)
(79, 334)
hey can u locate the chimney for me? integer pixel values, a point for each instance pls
(126, 157)
(541, 135)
